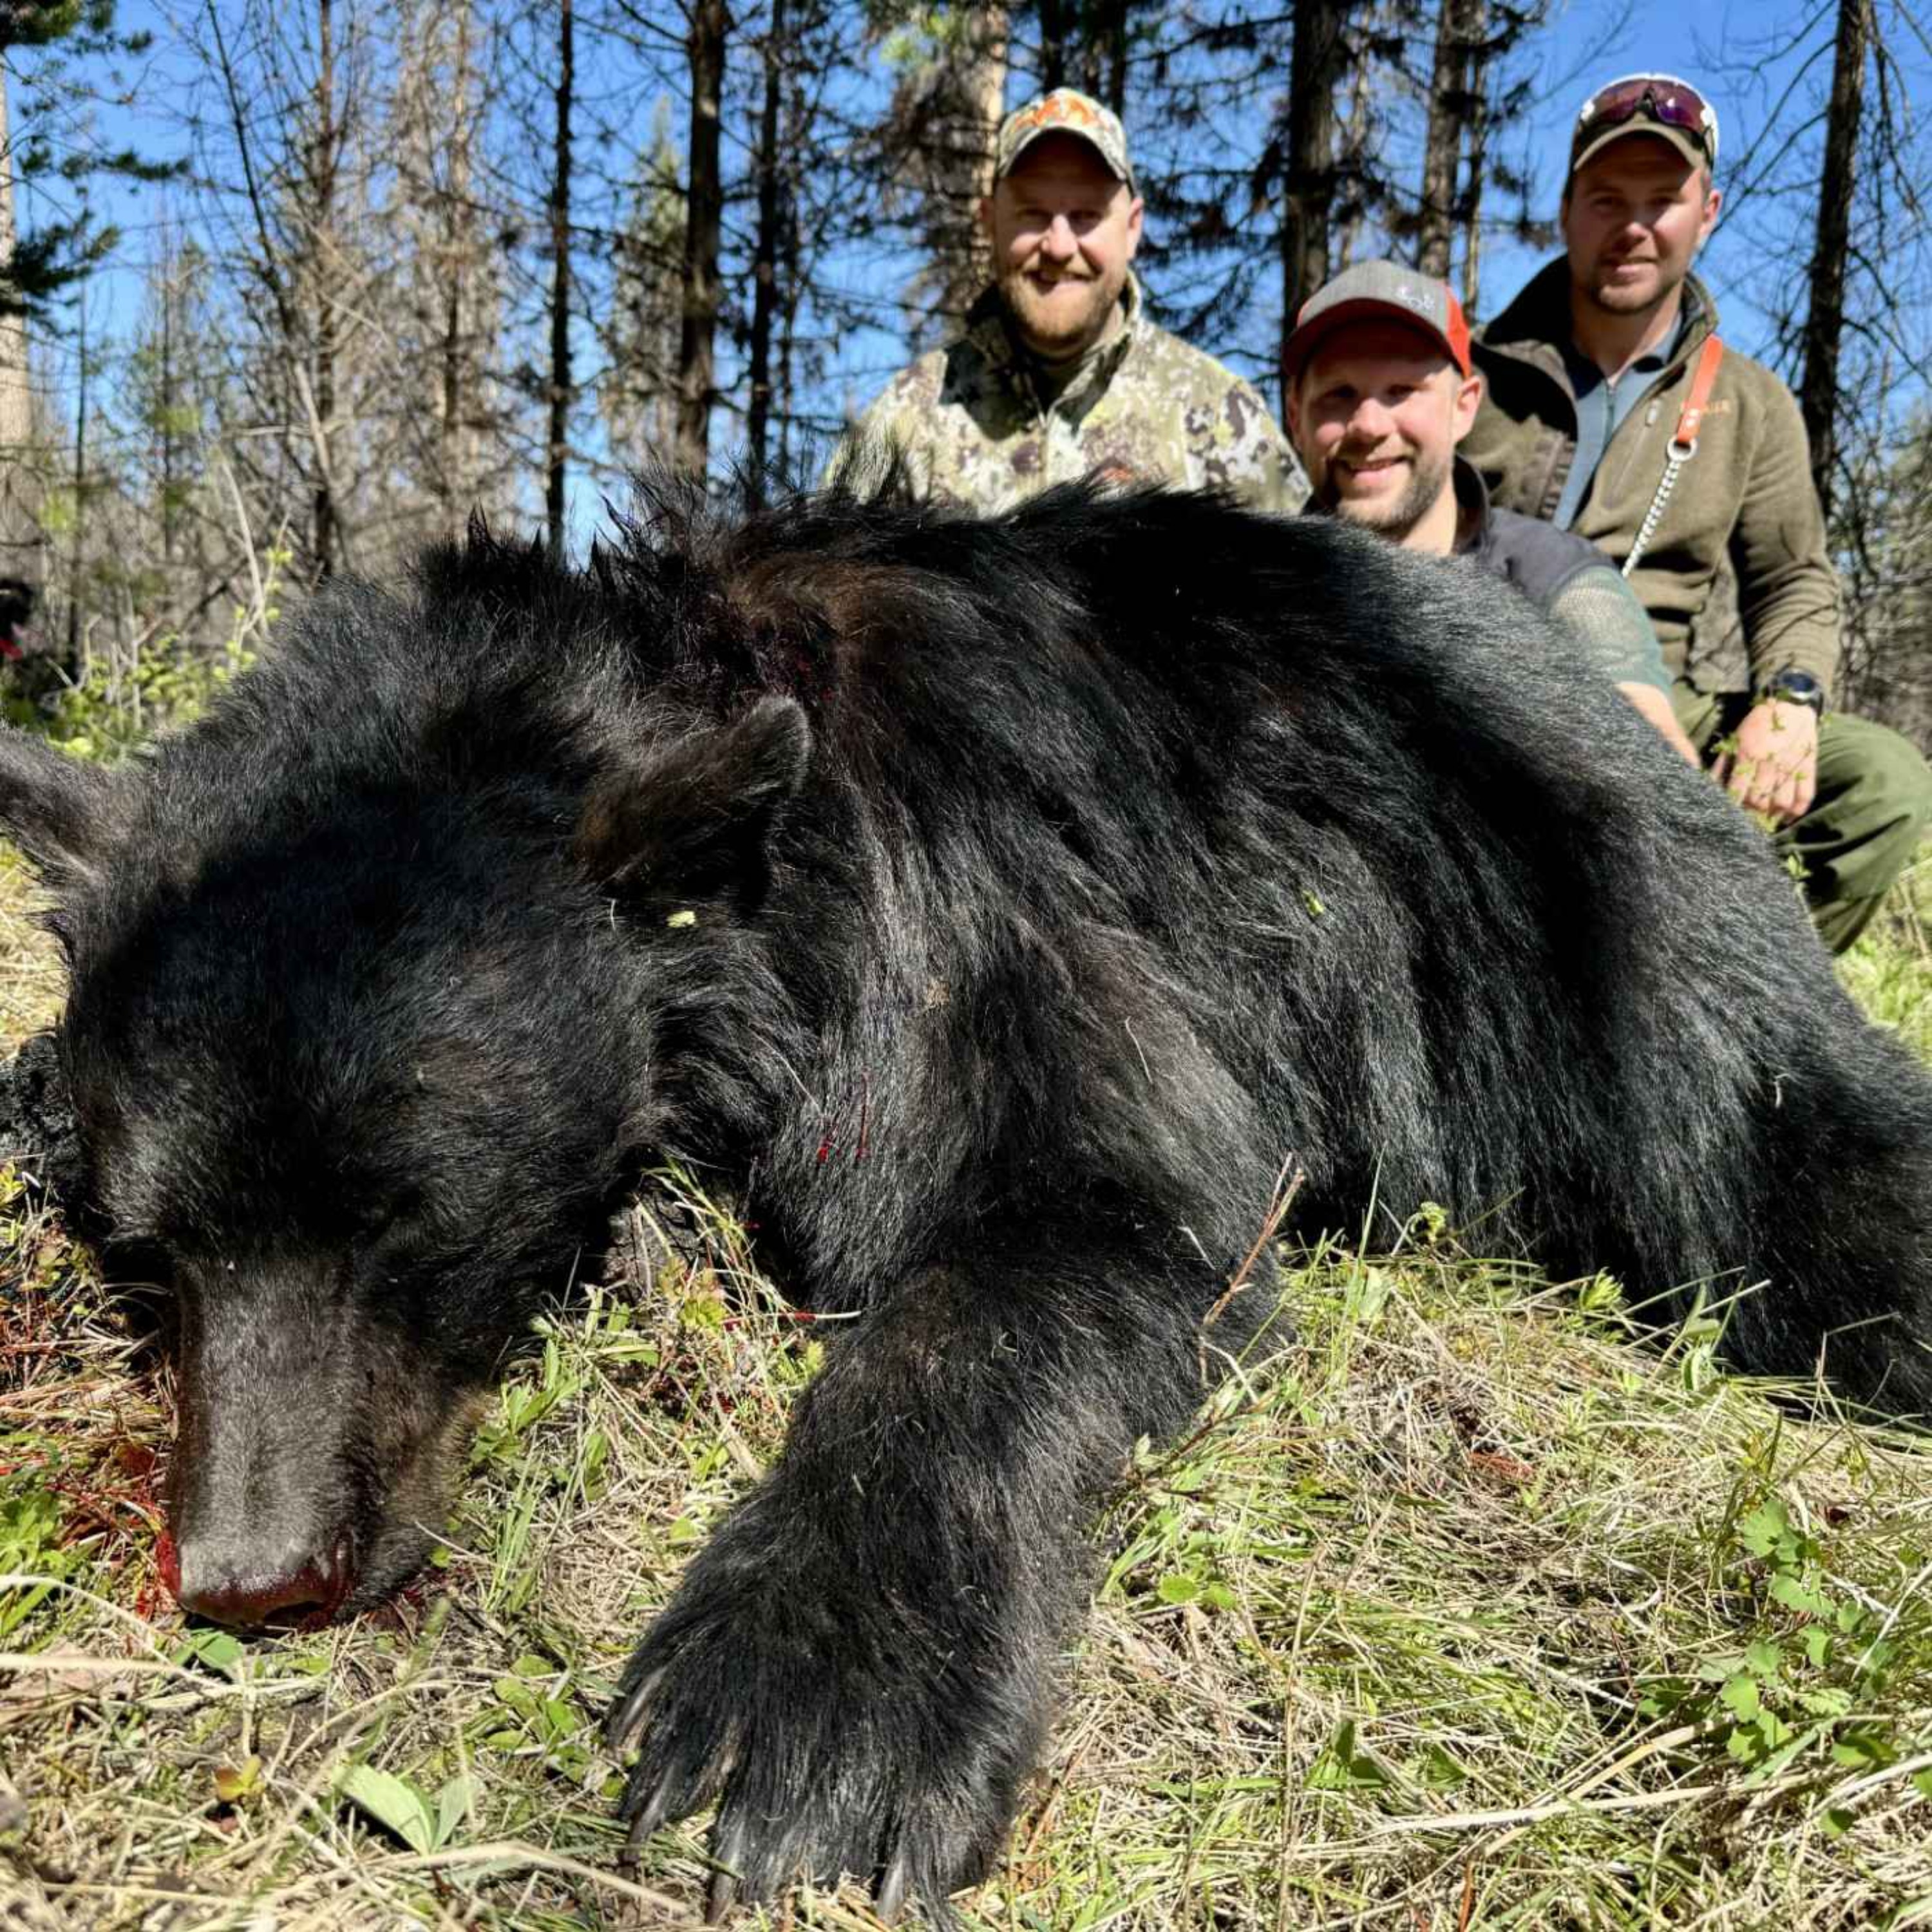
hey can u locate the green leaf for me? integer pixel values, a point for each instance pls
(393, 1803)
(1863, 1750)
(1759, 1532)
(453, 1804)
(1176, 1587)
(516, 1695)
(1344, 1766)
(1437, 1768)
(1787, 1590)
(214, 1649)
(1741, 1696)
(1826, 1701)
(1762, 1658)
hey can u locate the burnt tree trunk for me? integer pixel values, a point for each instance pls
(1458, 28)
(1320, 57)
(1055, 30)
(323, 512)
(1824, 319)
(557, 444)
(710, 25)
(1476, 134)
(767, 248)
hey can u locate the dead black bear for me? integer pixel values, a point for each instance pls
(1004, 902)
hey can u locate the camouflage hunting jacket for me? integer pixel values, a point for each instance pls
(975, 427)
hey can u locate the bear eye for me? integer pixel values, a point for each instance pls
(138, 1263)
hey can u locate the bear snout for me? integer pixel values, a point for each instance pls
(241, 1581)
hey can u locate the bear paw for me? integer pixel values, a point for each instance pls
(845, 1721)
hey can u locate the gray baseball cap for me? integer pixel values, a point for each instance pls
(1065, 111)
(1379, 291)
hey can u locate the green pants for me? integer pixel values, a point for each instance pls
(1873, 802)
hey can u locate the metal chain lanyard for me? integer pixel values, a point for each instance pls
(1683, 445)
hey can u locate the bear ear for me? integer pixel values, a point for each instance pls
(690, 822)
(63, 814)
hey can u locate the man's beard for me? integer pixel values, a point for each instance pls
(1393, 518)
(1614, 300)
(1064, 331)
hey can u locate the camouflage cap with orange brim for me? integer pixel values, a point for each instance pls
(1065, 111)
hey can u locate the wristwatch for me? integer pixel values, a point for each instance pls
(1794, 687)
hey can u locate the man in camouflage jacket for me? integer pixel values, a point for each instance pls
(1587, 373)
(1059, 374)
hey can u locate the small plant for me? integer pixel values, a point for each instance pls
(1813, 1684)
(424, 1821)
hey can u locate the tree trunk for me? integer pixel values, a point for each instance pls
(1443, 140)
(766, 251)
(1054, 32)
(1476, 132)
(78, 562)
(1320, 57)
(457, 466)
(710, 24)
(324, 512)
(557, 446)
(1824, 319)
(21, 552)
(981, 94)
(1103, 62)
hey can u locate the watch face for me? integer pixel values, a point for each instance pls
(1797, 687)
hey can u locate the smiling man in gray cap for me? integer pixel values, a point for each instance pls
(1060, 373)
(1380, 389)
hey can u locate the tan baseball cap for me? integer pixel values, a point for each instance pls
(1660, 105)
(1065, 111)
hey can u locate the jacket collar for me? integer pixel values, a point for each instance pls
(1533, 327)
(1472, 510)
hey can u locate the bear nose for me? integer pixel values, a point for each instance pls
(244, 1589)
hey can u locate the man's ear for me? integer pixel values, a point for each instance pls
(1136, 213)
(1468, 400)
(691, 821)
(1713, 201)
(63, 813)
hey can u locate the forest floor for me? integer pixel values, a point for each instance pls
(1465, 1607)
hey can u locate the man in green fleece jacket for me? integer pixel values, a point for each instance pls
(1588, 372)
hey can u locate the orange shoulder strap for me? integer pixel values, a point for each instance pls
(1699, 400)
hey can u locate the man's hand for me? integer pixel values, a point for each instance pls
(1650, 703)
(1772, 764)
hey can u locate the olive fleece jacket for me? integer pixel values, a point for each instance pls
(1747, 491)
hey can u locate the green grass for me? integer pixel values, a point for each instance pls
(1466, 1609)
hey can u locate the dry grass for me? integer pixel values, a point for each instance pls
(1464, 1610)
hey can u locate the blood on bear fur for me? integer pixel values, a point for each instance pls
(1005, 902)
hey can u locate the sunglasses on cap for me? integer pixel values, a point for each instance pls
(1660, 98)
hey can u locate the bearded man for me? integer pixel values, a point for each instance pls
(1059, 374)
(1604, 378)
(1380, 389)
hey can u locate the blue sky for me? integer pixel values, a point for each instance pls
(1747, 57)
